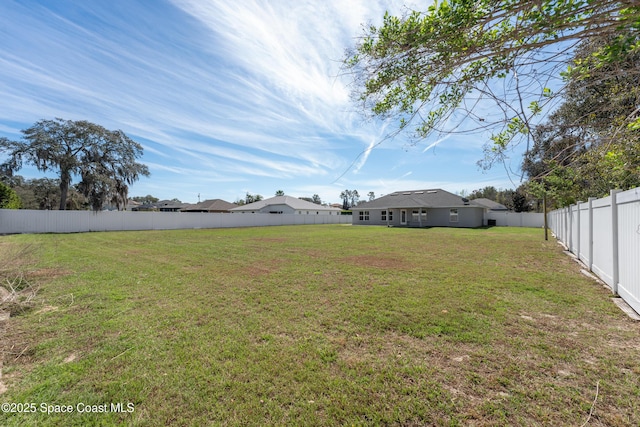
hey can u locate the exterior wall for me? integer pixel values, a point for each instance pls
(286, 209)
(604, 234)
(438, 217)
(14, 221)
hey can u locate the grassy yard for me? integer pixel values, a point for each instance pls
(316, 325)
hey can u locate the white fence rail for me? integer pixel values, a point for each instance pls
(605, 235)
(34, 221)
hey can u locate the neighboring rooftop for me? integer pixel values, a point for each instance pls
(429, 198)
(489, 204)
(292, 202)
(211, 205)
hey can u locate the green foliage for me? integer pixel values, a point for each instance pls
(8, 198)
(251, 198)
(426, 66)
(104, 160)
(146, 200)
(591, 143)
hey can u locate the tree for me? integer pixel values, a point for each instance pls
(354, 198)
(8, 198)
(316, 199)
(346, 199)
(104, 160)
(429, 71)
(279, 193)
(146, 200)
(371, 195)
(584, 149)
(488, 192)
(251, 198)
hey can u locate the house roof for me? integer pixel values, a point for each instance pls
(292, 202)
(489, 204)
(211, 205)
(430, 198)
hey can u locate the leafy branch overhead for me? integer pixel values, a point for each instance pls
(430, 70)
(103, 160)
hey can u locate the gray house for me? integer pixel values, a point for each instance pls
(286, 205)
(419, 208)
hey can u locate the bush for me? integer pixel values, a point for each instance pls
(8, 198)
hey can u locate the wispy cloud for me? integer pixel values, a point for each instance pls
(224, 89)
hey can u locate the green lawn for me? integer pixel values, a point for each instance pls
(317, 325)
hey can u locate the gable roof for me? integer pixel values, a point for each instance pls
(292, 202)
(430, 198)
(211, 205)
(489, 204)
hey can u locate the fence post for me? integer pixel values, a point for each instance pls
(546, 222)
(614, 238)
(570, 229)
(578, 232)
(590, 243)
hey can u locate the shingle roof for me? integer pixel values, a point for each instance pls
(489, 204)
(430, 198)
(211, 205)
(292, 202)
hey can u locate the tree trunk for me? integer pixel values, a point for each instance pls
(65, 180)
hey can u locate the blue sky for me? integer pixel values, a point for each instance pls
(226, 96)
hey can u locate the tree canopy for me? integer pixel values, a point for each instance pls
(431, 70)
(104, 160)
(590, 144)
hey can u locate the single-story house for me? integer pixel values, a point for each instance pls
(212, 206)
(286, 205)
(419, 208)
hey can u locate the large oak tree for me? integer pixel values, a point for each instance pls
(103, 160)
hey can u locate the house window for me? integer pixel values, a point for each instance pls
(424, 216)
(414, 215)
(364, 216)
(390, 215)
(384, 216)
(453, 215)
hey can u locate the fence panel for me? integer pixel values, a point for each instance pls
(629, 247)
(605, 234)
(602, 263)
(584, 234)
(32, 221)
(515, 219)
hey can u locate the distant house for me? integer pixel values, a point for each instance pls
(211, 206)
(419, 208)
(132, 205)
(490, 205)
(286, 205)
(162, 206)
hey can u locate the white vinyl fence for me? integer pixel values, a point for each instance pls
(35, 221)
(605, 235)
(515, 219)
